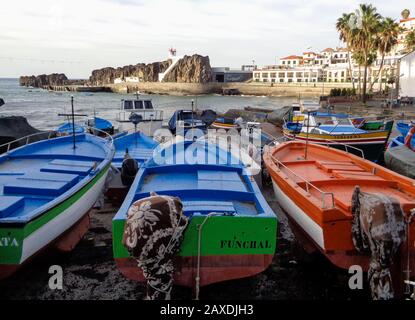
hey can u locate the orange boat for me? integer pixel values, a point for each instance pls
(314, 184)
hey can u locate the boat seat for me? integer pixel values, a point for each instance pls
(37, 187)
(206, 207)
(356, 175)
(69, 166)
(346, 166)
(42, 183)
(50, 176)
(222, 180)
(9, 204)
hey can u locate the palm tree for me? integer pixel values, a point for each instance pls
(364, 37)
(410, 41)
(343, 26)
(387, 38)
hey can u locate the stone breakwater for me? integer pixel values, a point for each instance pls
(241, 88)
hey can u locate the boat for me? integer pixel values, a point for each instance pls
(314, 185)
(67, 129)
(184, 120)
(46, 191)
(224, 123)
(238, 238)
(136, 146)
(1, 102)
(101, 124)
(338, 131)
(141, 108)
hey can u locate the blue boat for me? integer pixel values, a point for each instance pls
(46, 191)
(67, 129)
(239, 228)
(139, 147)
(100, 124)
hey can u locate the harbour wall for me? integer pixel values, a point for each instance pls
(242, 88)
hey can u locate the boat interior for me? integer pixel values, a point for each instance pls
(40, 173)
(204, 187)
(331, 176)
(140, 147)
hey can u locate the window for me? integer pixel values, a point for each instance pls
(264, 80)
(256, 74)
(148, 104)
(281, 80)
(265, 75)
(281, 74)
(128, 105)
(138, 105)
(294, 62)
(290, 74)
(273, 75)
(299, 74)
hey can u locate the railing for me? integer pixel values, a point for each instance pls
(106, 134)
(27, 138)
(328, 142)
(51, 134)
(148, 114)
(308, 184)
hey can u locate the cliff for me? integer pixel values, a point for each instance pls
(191, 69)
(145, 73)
(54, 79)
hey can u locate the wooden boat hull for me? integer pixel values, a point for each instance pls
(214, 268)
(236, 249)
(319, 225)
(372, 144)
(22, 242)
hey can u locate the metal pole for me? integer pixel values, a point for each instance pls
(306, 141)
(73, 123)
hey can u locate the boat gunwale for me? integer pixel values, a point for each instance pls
(83, 183)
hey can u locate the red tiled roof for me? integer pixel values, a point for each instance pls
(292, 57)
(405, 20)
(328, 50)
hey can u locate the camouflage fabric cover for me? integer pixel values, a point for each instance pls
(153, 233)
(379, 228)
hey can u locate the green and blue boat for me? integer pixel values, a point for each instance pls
(46, 191)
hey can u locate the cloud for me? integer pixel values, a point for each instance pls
(117, 32)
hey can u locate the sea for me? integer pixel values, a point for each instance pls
(42, 107)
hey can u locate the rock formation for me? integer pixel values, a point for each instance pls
(145, 73)
(54, 79)
(15, 127)
(192, 69)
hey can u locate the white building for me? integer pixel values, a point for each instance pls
(408, 25)
(407, 79)
(278, 74)
(291, 61)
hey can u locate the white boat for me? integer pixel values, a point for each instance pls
(142, 109)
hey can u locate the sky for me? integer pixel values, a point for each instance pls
(74, 37)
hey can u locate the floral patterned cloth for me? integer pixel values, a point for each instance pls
(378, 227)
(153, 233)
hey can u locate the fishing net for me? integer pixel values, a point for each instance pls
(153, 233)
(379, 228)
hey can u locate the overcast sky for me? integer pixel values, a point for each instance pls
(77, 36)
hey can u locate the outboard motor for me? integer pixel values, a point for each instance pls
(129, 170)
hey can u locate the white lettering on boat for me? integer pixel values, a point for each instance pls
(8, 242)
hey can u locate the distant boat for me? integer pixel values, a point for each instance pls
(338, 131)
(47, 191)
(239, 235)
(67, 129)
(224, 123)
(143, 108)
(101, 124)
(185, 120)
